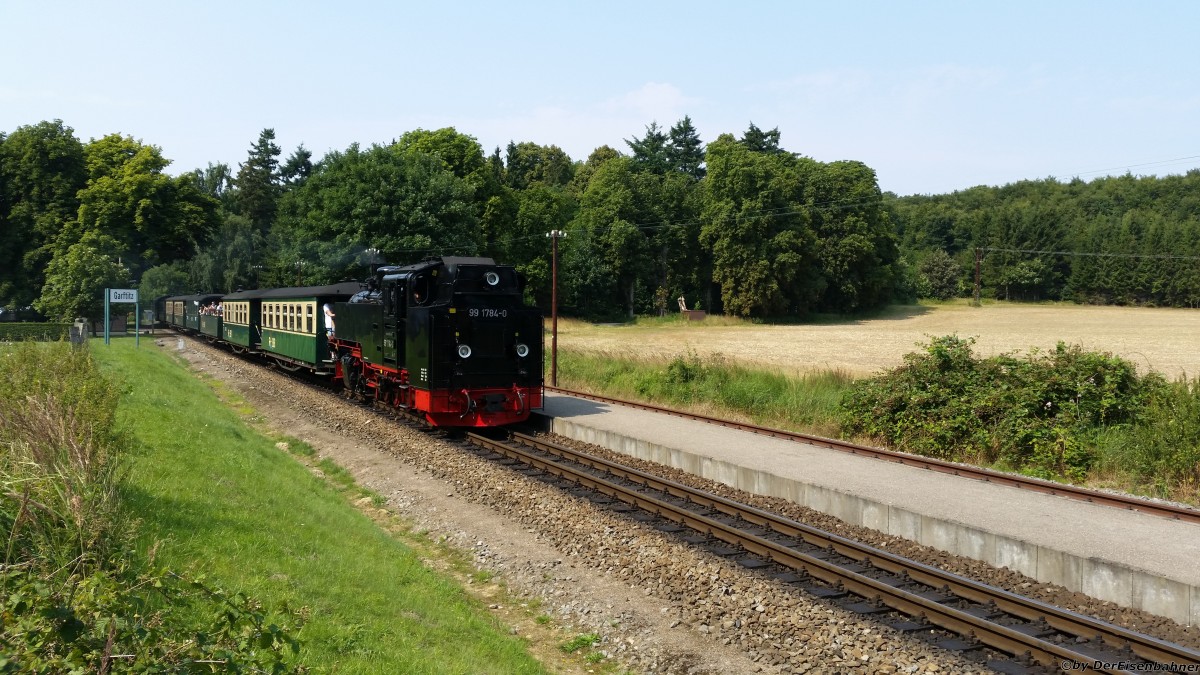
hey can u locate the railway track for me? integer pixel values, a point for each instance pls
(1128, 503)
(825, 566)
(857, 577)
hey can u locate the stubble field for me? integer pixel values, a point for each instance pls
(1165, 340)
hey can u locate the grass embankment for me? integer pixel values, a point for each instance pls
(220, 499)
(76, 594)
(1066, 414)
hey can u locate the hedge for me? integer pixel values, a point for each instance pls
(16, 332)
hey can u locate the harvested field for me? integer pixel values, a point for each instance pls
(1165, 340)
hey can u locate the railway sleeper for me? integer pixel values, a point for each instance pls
(711, 518)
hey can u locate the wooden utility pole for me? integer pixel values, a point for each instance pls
(978, 260)
(554, 235)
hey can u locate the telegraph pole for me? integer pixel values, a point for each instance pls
(978, 260)
(554, 236)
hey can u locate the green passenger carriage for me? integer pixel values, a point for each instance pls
(287, 323)
(183, 311)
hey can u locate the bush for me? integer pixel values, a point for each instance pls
(1040, 414)
(106, 621)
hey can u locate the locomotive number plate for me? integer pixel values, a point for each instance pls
(488, 313)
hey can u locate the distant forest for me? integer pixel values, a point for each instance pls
(737, 225)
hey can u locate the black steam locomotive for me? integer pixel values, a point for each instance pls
(449, 340)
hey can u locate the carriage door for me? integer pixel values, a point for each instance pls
(393, 307)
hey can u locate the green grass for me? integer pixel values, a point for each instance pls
(714, 386)
(579, 642)
(222, 500)
(1157, 455)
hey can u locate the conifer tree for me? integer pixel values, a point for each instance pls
(258, 182)
(685, 151)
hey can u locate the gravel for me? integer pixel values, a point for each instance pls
(659, 605)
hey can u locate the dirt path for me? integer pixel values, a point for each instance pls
(1166, 340)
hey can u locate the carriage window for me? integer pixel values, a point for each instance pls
(308, 320)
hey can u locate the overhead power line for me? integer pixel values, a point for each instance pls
(1089, 254)
(1127, 167)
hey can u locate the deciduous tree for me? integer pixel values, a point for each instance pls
(42, 169)
(764, 250)
(406, 204)
(75, 281)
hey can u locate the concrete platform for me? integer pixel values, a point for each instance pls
(1135, 560)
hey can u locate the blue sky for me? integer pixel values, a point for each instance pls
(935, 96)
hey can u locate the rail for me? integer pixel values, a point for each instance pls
(1002, 620)
(1113, 500)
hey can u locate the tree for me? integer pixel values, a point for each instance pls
(940, 276)
(610, 212)
(650, 152)
(297, 167)
(856, 244)
(459, 153)
(75, 281)
(406, 204)
(527, 163)
(216, 181)
(42, 169)
(168, 279)
(153, 217)
(584, 173)
(757, 140)
(231, 260)
(685, 151)
(764, 250)
(258, 186)
(540, 209)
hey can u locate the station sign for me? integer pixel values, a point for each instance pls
(122, 295)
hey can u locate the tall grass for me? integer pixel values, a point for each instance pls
(1161, 454)
(714, 385)
(59, 458)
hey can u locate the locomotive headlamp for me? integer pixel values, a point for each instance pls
(491, 278)
(464, 351)
(522, 350)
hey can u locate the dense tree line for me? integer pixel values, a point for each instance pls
(1117, 240)
(741, 226)
(738, 225)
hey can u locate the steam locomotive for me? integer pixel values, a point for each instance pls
(447, 340)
